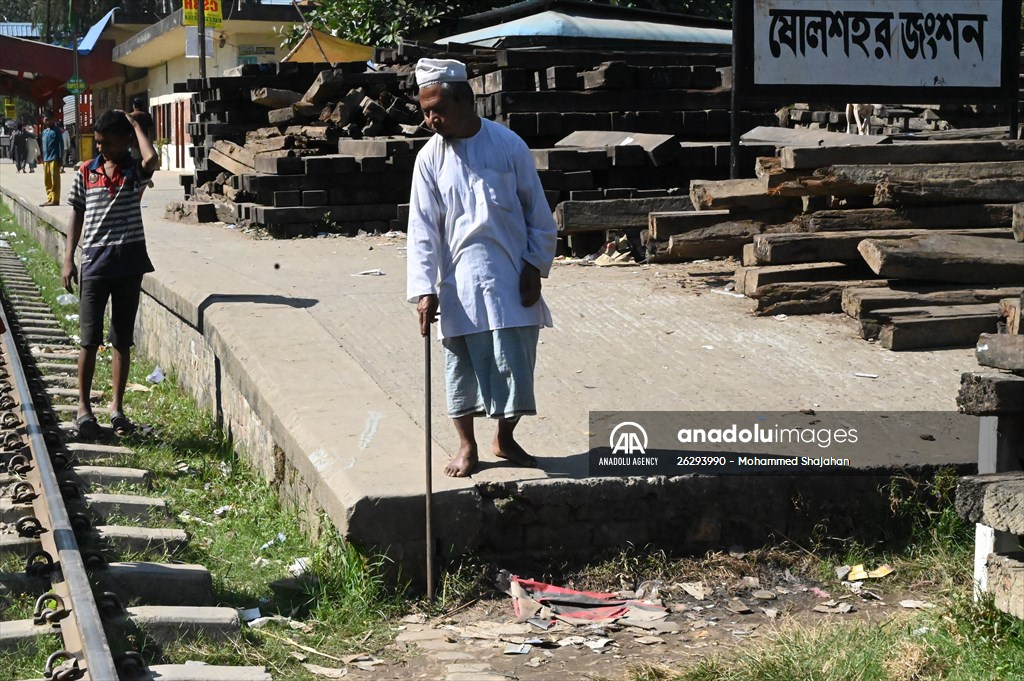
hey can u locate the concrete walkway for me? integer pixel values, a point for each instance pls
(332, 362)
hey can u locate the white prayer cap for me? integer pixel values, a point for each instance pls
(433, 71)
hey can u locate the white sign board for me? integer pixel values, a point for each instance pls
(887, 43)
(192, 43)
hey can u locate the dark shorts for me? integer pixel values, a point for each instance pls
(123, 293)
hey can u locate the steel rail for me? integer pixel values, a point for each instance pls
(85, 617)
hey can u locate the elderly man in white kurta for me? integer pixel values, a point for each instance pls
(481, 237)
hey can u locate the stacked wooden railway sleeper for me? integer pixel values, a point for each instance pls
(298, 153)
(625, 130)
(882, 119)
(919, 242)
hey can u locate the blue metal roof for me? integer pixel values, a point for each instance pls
(574, 24)
(87, 43)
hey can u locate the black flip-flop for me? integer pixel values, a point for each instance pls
(121, 425)
(87, 426)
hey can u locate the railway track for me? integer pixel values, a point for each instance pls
(106, 592)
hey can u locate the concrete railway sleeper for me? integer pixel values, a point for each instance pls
(52, 513)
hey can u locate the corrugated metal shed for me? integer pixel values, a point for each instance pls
(19, 29)
(566, 23)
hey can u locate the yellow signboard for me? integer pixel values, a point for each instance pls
(214, 17)
(10, 111)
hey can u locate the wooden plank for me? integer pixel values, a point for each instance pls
(609, 75)
(797, 158)
(993, 499)
(227, 163)
(593, 216)
(797, 137)
(745, 194)
(1001, 351)
(664, 224)
(923, 217)
(239, 154)
(1005, 575)
(274, 98)
(919, 328)
(990, 394)
(1018, 221)
(663, 149)
(787, 249)
(720, 240)
(857, 180)
(382, 146)
(805, 297)
(946, 257)
(994, 190)
(1010, 311)
(607, 100)
(570, 159)
(862, 302)
(192, 212)
(750, 279)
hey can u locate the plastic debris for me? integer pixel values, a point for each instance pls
(739, 607)
(597, 644)
(325, 672)
(820, 593)
(188, 517)
(650, 640)
(299, 567)
(695, 589)
(222, 511)
(861, 374)
(67, 299)
(370, 273)
(518, 649)
(249, 614)
(916, 605)
(764, 595)
(857, 572)
(157, 376)
(780, 317)
(834, 607)
(71, 317)
(138, 388)
(279, 539)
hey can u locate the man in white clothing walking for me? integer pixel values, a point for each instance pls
(481, 237)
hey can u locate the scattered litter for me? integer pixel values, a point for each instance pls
(695, 589)
(650, 640)
(861, 374)
(648, 591)
(571, 641)
(518, 649)
(749, 582)
(299, 567)
(834, 607)
(842, 572)
(727, 292)
(279, 539)
(541, 624)
(222, 511)
(598, 644)
(298, 656)
(708, 347)
(67, 299)
(71, 317)
(857, 572)
(532, 599)
(763, 595)
(535, 661)
(370, 273)
(562, 260)
(137, 388)
(325, 672)
(771, 613)
(739, 607)
(916, 605)
(250, 614)
(921, 631)
(820, 593)
(260, 562)
(188, 517)
(157, 376)
(780, 317)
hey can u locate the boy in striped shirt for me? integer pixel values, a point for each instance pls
(107, 221)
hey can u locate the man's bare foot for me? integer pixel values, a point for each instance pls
(507, 448)
(463, 463)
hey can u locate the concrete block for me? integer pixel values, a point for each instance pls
(16, 632)
(1006, 582)
(168, 623)
(157, 583)
(141, 539)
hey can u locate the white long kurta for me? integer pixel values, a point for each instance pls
(477, 213)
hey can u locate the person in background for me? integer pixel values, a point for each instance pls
(66, 136)
(53, 155)
(145, 121)
(19, 147)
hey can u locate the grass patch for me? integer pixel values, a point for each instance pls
(343, 603)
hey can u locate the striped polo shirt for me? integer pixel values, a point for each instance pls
(113, 242)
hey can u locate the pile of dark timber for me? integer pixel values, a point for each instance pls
(907, 119)
(303, 148)
(921, 243)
